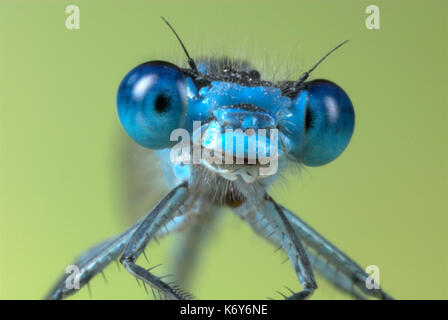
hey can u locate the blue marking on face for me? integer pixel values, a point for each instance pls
(240, 144)
(315, 124)
(237, 118)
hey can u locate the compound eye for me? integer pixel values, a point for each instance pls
(151, 103)
(329, 121)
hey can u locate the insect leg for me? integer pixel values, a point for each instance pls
(325, 258)
(355, 276)
(146, 230)
(273, 215)
(99, 257)
(90, 264)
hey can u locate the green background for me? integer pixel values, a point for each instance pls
(384, 201)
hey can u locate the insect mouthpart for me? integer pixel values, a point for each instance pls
(236, 147)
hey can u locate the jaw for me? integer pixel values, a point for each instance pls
(231, 172)
(232, 153)
(227, 187)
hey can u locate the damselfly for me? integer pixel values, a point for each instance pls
(223, 107)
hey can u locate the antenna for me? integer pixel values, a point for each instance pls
(305, 76)
(190, 60)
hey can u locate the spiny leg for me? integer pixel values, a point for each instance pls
(318, 262)
(345, 266)
(282, 228)
(146, 230)
(325, 258)
(100, 256)
(91, 263)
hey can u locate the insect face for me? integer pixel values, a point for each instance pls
(311, 124)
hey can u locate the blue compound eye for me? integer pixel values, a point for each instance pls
(327, 119)
(151, 103)
(329, 122)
